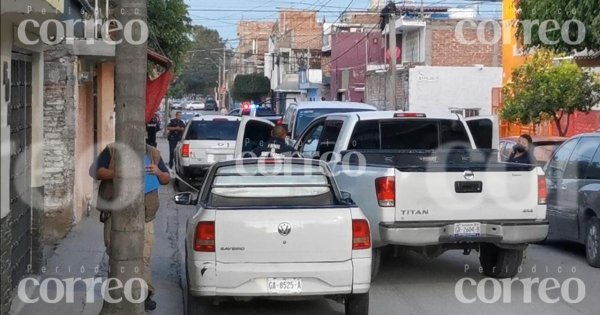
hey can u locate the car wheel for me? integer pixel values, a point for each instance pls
(357, 304)
(375, 262)
(499, 262)
(592, 242)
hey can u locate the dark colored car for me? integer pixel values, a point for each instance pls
(573, 183)
(210, 104)
(543, 147)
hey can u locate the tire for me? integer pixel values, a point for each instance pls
(375, 262)
(499, 262)
(592, 242)
(357, 304)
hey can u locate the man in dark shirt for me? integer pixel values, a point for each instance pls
(521, 152)
(276, 145)
(151, 129)
(175, 128)
(104, 170)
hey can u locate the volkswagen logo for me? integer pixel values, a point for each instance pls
(468, 175)
(284, 228)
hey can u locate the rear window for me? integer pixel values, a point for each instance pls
(262, 112)
(270, 185)
(543, 152)
(306, 116)
(213, 130)
(408, 135)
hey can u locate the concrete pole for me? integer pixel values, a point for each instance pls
(222, 91)
(128, 212)
(391, 103)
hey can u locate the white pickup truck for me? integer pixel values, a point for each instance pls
(430, 184)
(276, 228)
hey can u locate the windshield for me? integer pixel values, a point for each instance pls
(213, 130)
(262, 112)
(187, 116)
(305, 116)
(543, 152)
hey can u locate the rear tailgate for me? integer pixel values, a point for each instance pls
(465, 185)
(210, 151)
(478, 195)
(283, 235)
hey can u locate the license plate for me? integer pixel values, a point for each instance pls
(211, 158)
(284, 285)
(467, 229)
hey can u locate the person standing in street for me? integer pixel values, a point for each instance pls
(521, 152)
(152, 128)
(276, 147)
(156, 174)
(175, 129)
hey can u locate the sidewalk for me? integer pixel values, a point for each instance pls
(82, 255)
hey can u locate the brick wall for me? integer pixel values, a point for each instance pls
(254, 43)
(248, 31)
(299, 29)
(59, 141)
(447, 49)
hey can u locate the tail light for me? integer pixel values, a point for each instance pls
(204, 239)
(185, 150)
(361, 234)
(410, 115)
(386, 191)
(542, 190)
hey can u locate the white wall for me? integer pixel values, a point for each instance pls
(436, 89)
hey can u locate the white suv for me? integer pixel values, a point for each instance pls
(205, 140)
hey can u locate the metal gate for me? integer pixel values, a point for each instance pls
(19, 119)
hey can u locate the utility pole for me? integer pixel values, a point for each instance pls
(391, 89)
(218, 94)
(222, 91)
(128, 214)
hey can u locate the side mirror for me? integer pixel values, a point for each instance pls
(185, 198)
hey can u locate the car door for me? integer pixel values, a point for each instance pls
(308, 142)
(574, 178)
(485, 131)
(555, 170)
(329, 137)
(254, 133)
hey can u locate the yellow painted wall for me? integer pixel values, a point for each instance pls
(511, 56)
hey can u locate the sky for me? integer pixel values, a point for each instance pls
(223, 15)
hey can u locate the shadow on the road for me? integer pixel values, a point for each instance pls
(410, 267)
(566, 247)
(264, 306)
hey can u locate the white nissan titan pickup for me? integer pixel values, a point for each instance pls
(429, 184)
